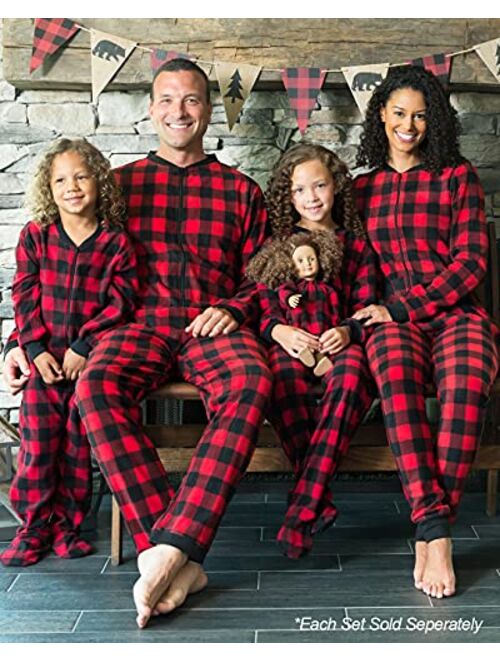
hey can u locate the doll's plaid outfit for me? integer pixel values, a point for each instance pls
(429, 233)
(194, 229)
(315, 434)
(64, 296)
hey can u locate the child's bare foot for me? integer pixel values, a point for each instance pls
(158, 567)
(420, 561)
(438, 579)
(189, 580)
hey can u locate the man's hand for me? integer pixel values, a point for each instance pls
(48, 368)
(73, 364)
(334, 340)
(294, 340)
(16, 370)
(294, 300)
(212, 323)
(373, 314)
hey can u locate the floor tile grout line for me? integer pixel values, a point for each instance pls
(396, 506)
(256, 637)
(340, 569)
(106, 564)
(258, 581)
(13, 583)
(77, 621)
(475, 531)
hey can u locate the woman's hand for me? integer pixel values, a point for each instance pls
(373, 314)
(294, 340)
(334, 340)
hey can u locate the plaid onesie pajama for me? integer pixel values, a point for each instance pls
(315, 434)
(194, 230)
(429, 233)
(64, 296)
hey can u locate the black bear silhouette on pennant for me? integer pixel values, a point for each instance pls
(108, 50)
(365, 81)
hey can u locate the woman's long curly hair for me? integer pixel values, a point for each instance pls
(282, 213)
(110, 207)
(273, 264)
(439, 147)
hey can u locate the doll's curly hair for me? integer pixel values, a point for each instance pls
(439, 147)
(273, 264)
(110, 207)
(282, 213)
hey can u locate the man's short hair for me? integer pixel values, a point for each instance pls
(180, 64)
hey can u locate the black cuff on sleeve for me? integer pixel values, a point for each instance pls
(81, 347)
(34, 348)
(398, 312)
(355, 328)
(238, 315)
(13, 343)
(267, 334)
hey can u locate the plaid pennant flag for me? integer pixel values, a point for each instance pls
(48, 36)
(160, 56)
(439, 65)
(303, 85)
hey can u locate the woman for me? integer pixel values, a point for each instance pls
(424, 213)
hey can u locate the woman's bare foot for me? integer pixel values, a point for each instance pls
(158, 567)
(439, 577)
(420, 561)
(189, 580)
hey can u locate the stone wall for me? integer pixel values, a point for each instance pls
(119, 126)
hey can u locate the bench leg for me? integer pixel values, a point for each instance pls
(116, 534)
(491, 493)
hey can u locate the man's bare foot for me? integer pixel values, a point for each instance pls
(438, 579)
(158, 567)
(189, 580)
(420, 560)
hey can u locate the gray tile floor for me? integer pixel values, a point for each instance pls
(354, 587)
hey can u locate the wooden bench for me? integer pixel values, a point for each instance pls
(368, 450)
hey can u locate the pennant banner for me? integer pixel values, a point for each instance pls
(303, 85)
(48, 36)
(236, 81)
(109, 54)
(362, 81)
(159, 57)
(439, 65)
(489, 52)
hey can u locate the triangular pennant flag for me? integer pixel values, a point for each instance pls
(303, 85)
(489, 52)
(439, 65)
(48, 36)
(235, 83)
(109, 54)
(160, 56)
(362, 81)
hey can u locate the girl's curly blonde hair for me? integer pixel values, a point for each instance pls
(110, 207)
(273, 264)
(282, 213)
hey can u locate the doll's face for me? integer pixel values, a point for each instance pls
(306, 262)
(313, 195)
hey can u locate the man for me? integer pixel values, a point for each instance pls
(195, 224)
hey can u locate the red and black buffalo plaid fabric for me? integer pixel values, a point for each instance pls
(185, 223)
(68, 296)
(49, 35)
(439, 65)
(303, 85)
(160, 56)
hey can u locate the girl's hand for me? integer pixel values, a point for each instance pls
(48, 368)
(294, 340)
(294, 300)
(73, 364)
(373, 314)
(334, 340)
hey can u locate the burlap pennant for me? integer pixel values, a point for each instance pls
(109, 54)
(160, 56)
(235, 83)
(489, 52)
(48, 36)
(303, 85)
(363, 80)
(439, 65)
